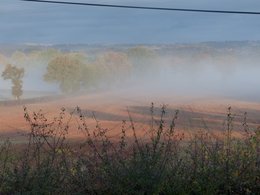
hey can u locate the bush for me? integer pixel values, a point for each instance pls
(164, 162)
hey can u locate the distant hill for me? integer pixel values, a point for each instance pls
(237, 45)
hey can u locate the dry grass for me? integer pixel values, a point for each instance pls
(159, 160)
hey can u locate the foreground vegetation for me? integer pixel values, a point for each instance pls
(161, 162)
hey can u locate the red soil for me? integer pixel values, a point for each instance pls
(110, 110)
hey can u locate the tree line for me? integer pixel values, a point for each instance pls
(76, 71)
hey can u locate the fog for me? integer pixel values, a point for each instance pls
(233, 73)
(197, 68)
(240, 82)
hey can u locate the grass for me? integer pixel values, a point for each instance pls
(163, 162)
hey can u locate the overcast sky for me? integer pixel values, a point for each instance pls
(27, 22)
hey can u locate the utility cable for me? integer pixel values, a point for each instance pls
(148, 8)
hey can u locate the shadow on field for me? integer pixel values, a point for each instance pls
(187, 118)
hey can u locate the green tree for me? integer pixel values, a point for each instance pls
(113, 66)
(66, 70)
(15, 75)
(142, 58)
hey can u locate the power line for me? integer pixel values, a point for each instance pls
(148, 8)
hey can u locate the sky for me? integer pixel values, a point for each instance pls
(28, 22)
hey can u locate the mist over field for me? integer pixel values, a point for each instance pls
(213, 69)
(98, 98)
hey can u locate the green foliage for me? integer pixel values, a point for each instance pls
(67, 71)
(49, 54)
(15, 75)
(161, 163)
(140, 52)
(142, 58)
(113, 66)
(74, 71)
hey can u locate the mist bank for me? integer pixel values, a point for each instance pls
(212, 69)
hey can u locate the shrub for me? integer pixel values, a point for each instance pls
(163, 162)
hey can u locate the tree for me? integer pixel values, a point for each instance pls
(3, 59)
(15, 75)
(142, 58)
(66, 70)
(114, 66)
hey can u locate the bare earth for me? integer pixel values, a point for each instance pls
(110, 109)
